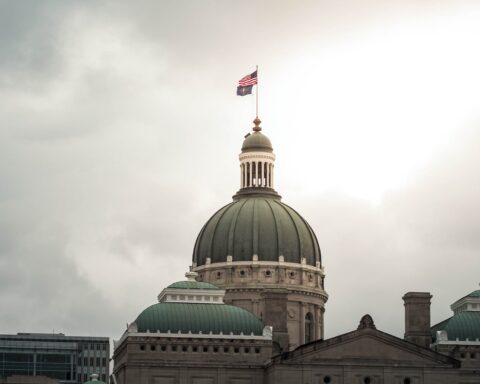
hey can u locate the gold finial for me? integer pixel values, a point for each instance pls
(257, 122)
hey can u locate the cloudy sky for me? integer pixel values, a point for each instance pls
(120, 131)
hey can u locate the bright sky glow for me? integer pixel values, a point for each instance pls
(369, 126)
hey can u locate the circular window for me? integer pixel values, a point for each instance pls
(242, 273)
(367, 380)
(152, 347)
(327, 379)
(219, 275)
(268, 273)
(291, 274)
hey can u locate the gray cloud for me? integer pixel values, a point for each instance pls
(119, 131)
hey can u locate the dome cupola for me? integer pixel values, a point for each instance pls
(257, 162)
(256, 141)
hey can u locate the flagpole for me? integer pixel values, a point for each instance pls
(256, 93)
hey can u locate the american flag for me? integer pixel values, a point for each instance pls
(248, 80)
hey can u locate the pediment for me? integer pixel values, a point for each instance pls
(367, 346)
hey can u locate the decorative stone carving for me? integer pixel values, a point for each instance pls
(366, 322)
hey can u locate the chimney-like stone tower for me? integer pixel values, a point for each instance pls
(417, 318)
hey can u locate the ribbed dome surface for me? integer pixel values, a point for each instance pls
(257, 141)
(192, 285)
(462, 326)
(260, 226)
(205, 318)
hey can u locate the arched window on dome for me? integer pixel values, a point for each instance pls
(308, 327)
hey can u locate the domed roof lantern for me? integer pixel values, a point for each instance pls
(257, 162)
(256, 141)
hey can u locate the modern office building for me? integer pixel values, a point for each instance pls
(67, 359)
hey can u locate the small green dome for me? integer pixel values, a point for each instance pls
(462, 326)
(192, 285)
(198, 317)
(474, 294)
(94, 380)
(257, 141)
(257, 225)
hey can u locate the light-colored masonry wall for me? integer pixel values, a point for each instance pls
(247, 285)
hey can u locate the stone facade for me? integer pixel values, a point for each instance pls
(288, 296)
(162, 359)
(264, 257)
(363, 356)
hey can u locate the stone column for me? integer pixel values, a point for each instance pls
(244, 175)
(241, 175)
(303, 313)
(267, 178)
(318, 322)
(251, 174)
(273, 175)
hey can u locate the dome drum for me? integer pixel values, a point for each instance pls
(263, 274)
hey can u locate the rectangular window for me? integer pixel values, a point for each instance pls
(97, 361)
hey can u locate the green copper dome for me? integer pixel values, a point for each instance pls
(94, 380)
(198, 317)
(462, 326)
(257, 141)
(257, 225)
(474, 294)
(192, 285)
